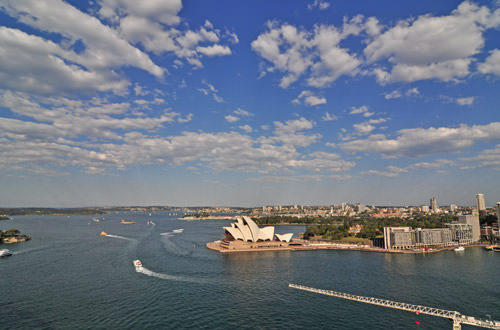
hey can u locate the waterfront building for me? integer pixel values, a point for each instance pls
(407, 238)
(398, 237)
(246, 230)
(481, 206)
(461, 232)
(473, 220)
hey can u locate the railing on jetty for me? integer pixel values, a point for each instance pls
(456, 317)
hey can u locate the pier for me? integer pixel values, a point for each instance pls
(456, 317)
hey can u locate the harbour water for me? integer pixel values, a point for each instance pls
(70, 277)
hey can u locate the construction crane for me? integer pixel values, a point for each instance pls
(456, 317)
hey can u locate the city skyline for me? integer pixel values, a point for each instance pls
(248, 103)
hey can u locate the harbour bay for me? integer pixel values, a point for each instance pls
(70, 277)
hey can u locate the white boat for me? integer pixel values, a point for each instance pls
(180, 230)
(137, 264)
(5, 253)
(459, 249)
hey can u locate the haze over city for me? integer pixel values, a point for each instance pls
(248, 103)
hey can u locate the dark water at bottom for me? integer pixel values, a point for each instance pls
(69, 277)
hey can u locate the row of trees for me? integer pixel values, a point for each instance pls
(9, 233)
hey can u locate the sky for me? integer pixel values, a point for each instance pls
(249, 103)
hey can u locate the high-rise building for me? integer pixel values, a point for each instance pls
(480, 202)
(472, 220)
(498, 214)
(434, 206)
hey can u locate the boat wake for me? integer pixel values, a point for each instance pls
(163, 276)
(121, 237)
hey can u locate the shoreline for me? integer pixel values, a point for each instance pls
(216, 246)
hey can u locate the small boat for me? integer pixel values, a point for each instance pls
(137, 264)
(5, 253)
(496, 248)
(124, 222)
(459, 249)
(180, 230)
(103, 233)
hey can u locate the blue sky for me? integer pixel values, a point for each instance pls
(246, 103)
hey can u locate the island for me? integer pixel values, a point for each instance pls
(12, 236)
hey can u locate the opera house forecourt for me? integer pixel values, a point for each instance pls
(245, 235)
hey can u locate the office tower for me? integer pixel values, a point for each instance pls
(498, 214)
(434, 207)
(480, 202)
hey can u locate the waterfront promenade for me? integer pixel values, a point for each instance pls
(303, 245)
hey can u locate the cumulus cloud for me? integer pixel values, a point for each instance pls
(231, 118)
(362, 110)
(297, 52)
(319, 4)
(48, 67)
(415, 142)
(247, 128)
(153, 23)
(465, 100)
(492, 64)
(393, 95)
(416, 52)
(211, 90)
(99, 136)
(309, 99)
(329, 117)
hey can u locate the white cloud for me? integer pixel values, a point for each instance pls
(417, 52)
(231, 118)
(151, 23)
(486, 158)
(211, 90)
(416, 142)
(492, 63)
(392, 171)
(412, 92)
(465, 100)
(360, 110)
(393, 95)
(363, 128)
(247, 128)
(319, 4)
(295, 53)
(103, 47)
(241, 112)
(309, 99)
(329, 117)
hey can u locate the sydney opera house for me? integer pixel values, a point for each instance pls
(245, 235)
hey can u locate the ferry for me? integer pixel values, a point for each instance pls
(459, 249)
(137, 264)
(5, 253)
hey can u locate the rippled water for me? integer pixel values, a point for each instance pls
(70, 277)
